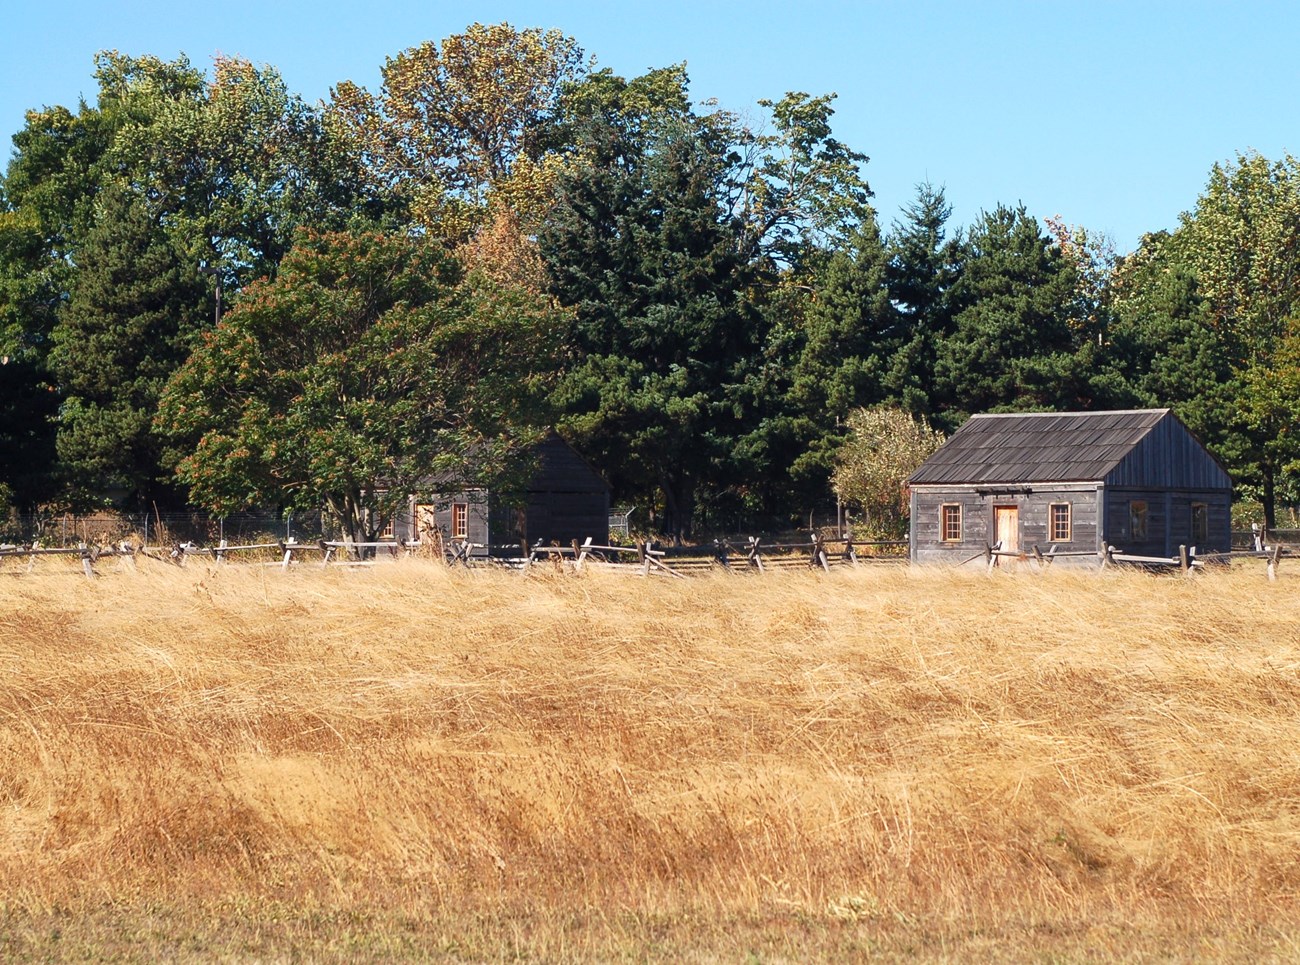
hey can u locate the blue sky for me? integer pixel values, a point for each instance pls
(1109, 114)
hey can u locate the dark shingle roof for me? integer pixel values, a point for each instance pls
(1038, 447)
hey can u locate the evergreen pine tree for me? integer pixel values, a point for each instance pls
(131, 320)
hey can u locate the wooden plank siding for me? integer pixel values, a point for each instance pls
(1033, 509)
(926, 539)
(478, 517)
(560, 517)
(1098, 462)
(565, 499)
(1169, 457)
(1169, 520)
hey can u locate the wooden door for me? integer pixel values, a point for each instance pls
(1006, 526)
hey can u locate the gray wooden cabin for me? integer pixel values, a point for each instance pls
(565, 499)
(1137, 480)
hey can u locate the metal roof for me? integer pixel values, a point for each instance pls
(1039, 447)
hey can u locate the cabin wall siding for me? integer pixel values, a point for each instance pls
(478, 517)
(551, 517)
(1032, 460)
(978, 527)
(1169, 457)
(1169, 520)
(565, 500)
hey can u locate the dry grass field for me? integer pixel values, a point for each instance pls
(887, 763)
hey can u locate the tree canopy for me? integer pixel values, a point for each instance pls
(504, 233)
(884, 447)
(366, 367)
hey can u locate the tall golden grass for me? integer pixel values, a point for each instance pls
(408, 760)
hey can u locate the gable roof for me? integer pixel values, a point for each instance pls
(1046, 447)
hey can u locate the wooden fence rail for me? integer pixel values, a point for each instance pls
(1187, 559)
(750, 554)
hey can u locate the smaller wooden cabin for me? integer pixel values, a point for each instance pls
(1137, 480)
(565, 499)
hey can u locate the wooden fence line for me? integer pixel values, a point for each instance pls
(1187, 559)
(752, 555)
(644, 557)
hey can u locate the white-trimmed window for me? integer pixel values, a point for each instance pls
(387, 531)
(1058, 523)
(950, 522)
(460, 520)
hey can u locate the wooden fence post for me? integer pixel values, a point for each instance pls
(582, 552)
(819, 557)
(720, 547)
(988, 554)
(1184, 563)
(850, 554)
(755, 557)
(87, 560)
(1273, 561)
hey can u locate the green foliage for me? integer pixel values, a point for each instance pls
(134, 310)
(850, 332)
(642, 247)
(923, 265)
(1242, 241)
(1204, 320)
(366, 366)
(28, 303)
(458, 123)
(107, 214)
(1162, 339)
(1010, 347)
(235, 172)
(27, 407)
(802, 189)
(883, 448)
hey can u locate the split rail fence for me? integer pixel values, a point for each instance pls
(1187, 560)
(750, 554)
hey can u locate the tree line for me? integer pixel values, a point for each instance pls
(413, 282)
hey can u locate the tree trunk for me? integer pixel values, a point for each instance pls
(347, 510)
(1270, 499)
(679, 506)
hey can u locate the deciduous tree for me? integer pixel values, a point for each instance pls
(883, 448)
(1242, 241)
(458, 122)
(366, 365)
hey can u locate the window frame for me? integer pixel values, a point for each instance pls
(1199, 539)
(460, 520)
(1053, 533)
(1138, 512)
(945, 519)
